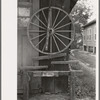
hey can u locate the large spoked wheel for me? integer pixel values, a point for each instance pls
(48, 31)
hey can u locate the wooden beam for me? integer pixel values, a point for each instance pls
(25, 86)
(54, 73)
(19, 91)
(49, 56)
(77, 72)
(32, 67)
(24, 4)
(72, 86)
(65, 62)
(48, 73)
(23, 17)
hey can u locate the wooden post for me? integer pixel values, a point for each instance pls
(25, 86)
(72, 85)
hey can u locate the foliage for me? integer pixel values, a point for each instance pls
(80, 15)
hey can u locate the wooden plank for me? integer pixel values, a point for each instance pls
(49, 56)
(72, 86)
(24, 4)
(54, 73)
(49, 73)
(73, 73)
(32, 67)
(25, 86)
(77, 72)
(23, 17)
(65, 62)
(19, 91)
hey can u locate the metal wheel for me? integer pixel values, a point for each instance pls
(50, 29)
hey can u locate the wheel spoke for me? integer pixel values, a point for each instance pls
(56, 18)
(50, 43)
(36, 31)
(60, 22)
(49, 18)
(55, 43)
(37, 25)
(40, 41)
(40, 20)
(64, 31)
(38, 36)
(63, 25)
(43, 47)
(60, 40)
(63, 36)
(44, 16)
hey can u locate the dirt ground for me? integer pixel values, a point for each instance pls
(55, 97)
(51, 97)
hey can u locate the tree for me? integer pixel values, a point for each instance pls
(80, 15)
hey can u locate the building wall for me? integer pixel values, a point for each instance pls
(25, 50)
(89, 35)
(89, 38)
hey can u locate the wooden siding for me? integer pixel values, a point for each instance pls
(89, 37)
(26, 51)
(56, 84)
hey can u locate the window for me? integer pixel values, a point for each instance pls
(89, 33)
(95, 36)
(22, 22)
(22, 11)
(23, 16)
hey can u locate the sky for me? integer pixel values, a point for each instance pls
(93, 4)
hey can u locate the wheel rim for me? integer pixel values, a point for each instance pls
(55, 32)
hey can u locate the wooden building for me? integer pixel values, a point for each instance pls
(26, 53)
(89, 37)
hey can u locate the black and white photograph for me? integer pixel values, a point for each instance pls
(56, 50)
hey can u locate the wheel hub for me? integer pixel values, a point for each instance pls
(51, 31)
